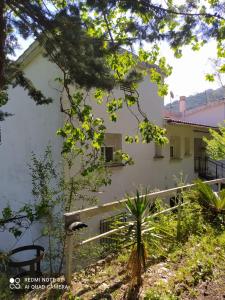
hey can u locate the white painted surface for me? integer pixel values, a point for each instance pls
(34, 127)
(31, 128)
(211, 114)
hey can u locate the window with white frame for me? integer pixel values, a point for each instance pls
(187, 146)
(112, 143)
(175, 147)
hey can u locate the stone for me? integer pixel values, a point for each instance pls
(104, 286)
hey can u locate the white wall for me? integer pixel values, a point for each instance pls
(154, 173)
(211, 115)
(147, 170)
(31, 128)
(126, 178)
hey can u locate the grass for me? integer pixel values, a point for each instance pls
(200, 260)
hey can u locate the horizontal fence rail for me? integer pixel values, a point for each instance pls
(87, 213)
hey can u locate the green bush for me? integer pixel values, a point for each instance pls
(190, 264)
(153, 295)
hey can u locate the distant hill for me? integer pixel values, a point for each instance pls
(199, 99)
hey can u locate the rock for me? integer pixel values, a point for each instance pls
(101, 262)
(84, 281)
(163, 270)
(104, 286)
(123, 287)
(92, 271)
(109, 258)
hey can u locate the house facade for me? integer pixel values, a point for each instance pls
(210, 114)
(32, 128)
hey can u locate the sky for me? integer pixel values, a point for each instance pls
(188, 77)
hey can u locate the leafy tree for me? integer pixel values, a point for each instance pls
(215, 145)
(114, 26)
(19, 18)
(85, 39)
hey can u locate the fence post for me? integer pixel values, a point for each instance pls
(179, 196)
(69, 256)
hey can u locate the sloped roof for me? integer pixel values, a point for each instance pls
(29, 53)
(205, 106)
(181, 122)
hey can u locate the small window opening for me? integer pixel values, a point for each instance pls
(107, 153)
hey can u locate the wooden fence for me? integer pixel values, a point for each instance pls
(87, 213)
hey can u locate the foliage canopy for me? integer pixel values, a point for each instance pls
(99, 46)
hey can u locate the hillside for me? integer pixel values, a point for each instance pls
(183, 257)
(199, 99)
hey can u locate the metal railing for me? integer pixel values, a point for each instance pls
(208, 167)
(80, 216)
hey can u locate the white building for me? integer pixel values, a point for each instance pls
(211, 114)
(33, 127)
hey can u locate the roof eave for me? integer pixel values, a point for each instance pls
(181, 123)
(26, 57)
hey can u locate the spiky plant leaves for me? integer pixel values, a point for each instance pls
(138, 208)
(215, 202)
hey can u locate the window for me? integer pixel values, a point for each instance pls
(158, 151)
(112, 143)
(175, 148)
(107, 153)
(187, 146)
(171, 151)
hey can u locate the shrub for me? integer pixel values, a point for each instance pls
(213, 201)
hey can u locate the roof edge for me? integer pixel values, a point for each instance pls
(205, 106)
(26, 57)
(184, 123)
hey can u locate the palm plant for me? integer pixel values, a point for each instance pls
(209, 199)
(138, 208)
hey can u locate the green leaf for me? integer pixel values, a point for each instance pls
(209, 77)
(222, 69)
(130, 100)
(129, 139)
(7, 212)
(113, 117)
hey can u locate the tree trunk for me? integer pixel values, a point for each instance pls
(139, 253)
